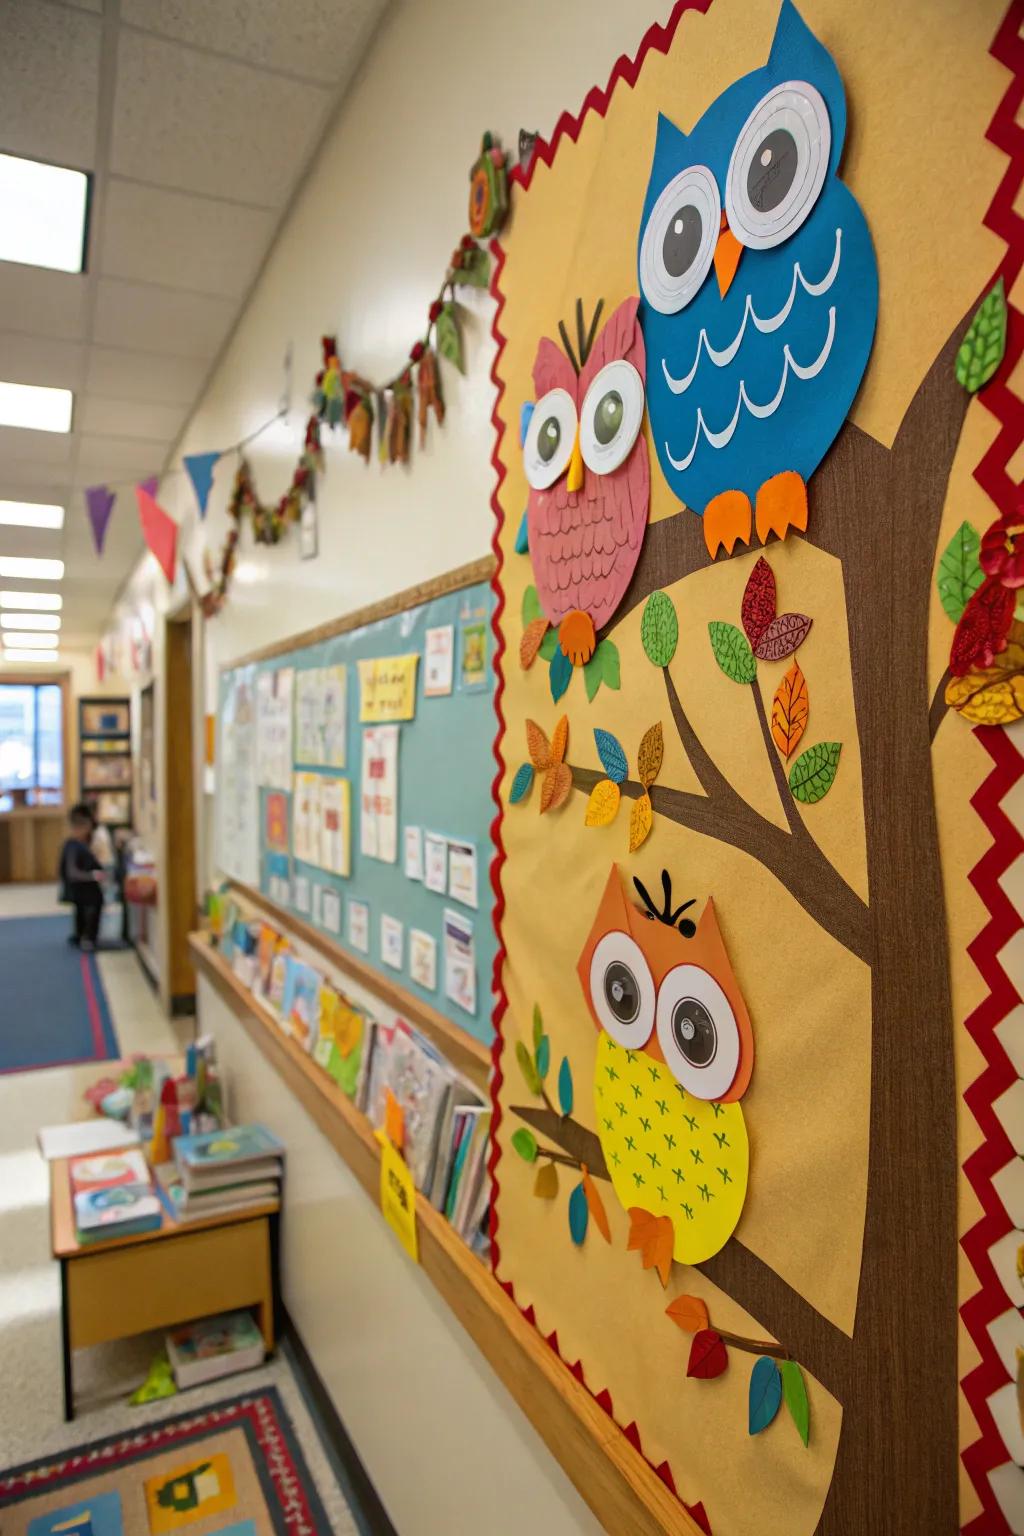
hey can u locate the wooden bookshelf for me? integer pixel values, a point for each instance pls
(625, 1493)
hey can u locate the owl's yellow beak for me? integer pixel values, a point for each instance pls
(575, 481)
(727, 256)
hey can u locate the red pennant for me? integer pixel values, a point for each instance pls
(159, 531)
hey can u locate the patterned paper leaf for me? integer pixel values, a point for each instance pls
(960, 574)
(537, 745)
(556, 787)
(790, 708)
(649, 756)
(603, 805)
(542, 1056)
(559, 674)
(794, 1391)
(525, 1143)
(813, 774)
(690, 1313)
(982, 349)
(613, 759)
(732, 651)
(708, 1356)
(565, 1087)
(765, 1395)
(549, 645)
(659, 629)
(529, 645)
(448, 339)
(641, 820)
(531, 608)
(595, 1205)
(521, 784)
(538, 1026)
(545, 1186)
(527, 1067)
(758, 607)
(579, 1214)
(560, 739)
(994, 695)
(783, 636)
(475, 269)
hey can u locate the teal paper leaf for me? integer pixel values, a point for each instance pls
(565, 1087)
(523, 538)
(794, 1392)
(538, 1025)
(521, 784)
(659, 629)
(531, 606)
(525, 1143)
(543, 1057)
(960, 574)
(732, 652)
(613, 759)
(527, 1067)
(579, 1214)
(560, 675)
(765, 1393)
(526, 411)
(814, 772)
(549, 645)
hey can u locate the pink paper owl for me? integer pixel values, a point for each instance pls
(589, 476)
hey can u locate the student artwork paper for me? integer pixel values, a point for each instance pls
(277, 822)
(306, 818)
(462, 873)
(359, 926)
(423, 959)
(378, 820)
(274, 728)
(335, 839)
(435, 863)
(391, 941)
(387, 688)
(473, 640)
(459, 961)
(332, 911)
(238, 795)
(321, 716)
(413, 844)
(438, 661)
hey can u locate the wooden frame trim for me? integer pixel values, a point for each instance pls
(622, 1489)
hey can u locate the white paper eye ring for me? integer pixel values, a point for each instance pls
(613, 410)
(679, 240)
(622, 990)
(547, 448)
(778, 165)
(697, 1032)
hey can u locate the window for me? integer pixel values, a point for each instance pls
(31, 744)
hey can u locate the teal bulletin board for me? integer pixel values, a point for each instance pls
(445, 770)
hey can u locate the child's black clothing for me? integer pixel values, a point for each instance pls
(77, 884)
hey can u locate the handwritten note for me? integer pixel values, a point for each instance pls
(387, 688)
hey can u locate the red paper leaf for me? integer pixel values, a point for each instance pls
(758, 607)
(708, 1356)
(984, 625)
(782, 637)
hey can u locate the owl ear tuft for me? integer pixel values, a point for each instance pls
(796, 54)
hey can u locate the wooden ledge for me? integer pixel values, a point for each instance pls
(624, 1492)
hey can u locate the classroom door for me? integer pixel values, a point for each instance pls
(179, 813)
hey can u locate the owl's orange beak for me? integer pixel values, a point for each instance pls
(727, 256)
(575, 481)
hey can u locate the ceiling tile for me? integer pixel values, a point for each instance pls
(136, 315)
(50, 303)
(43, 360)
(49, 83)
(130, 418)
(321, 39)
(203, 124)
(116, 458)
(19, 445)
(180, 240)
(144, 376)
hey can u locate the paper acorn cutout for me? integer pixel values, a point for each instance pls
(488, 190)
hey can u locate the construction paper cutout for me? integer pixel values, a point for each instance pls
(474, 269)
(984, 625)
(565, 1093)
(708, 1356)
(814, 772)
(526, 411)
(732, 651)
(577, 638)
(560, 675)
(99, 504)
(538, 746)
(667, 913)
(1002, 549)
(200, 468)
(560, 739)
(579, 1214)
(603, 667)
(984, 346)
(542, 1056)
(545, 1185)
(150, 485)
(757, 609)
(523, 538)
(538, 1026)
(649, 756)
(690, 1313)
(428, 393)
(783, 636)
(525, 1143)
(556, 788)
(522, 783)
(960, 573)
(613, 758)
(394, 1120)
(529, 645)
(794, 1391)
(641, 820)
(159, 531)
(652, 1237)
(603, 805)
(595, 1205)
(659, 629)
(527, 1067)
(765, 1394)
(530, 608)
(398, 1197)
(993, 695)
(790, 710)
(446, 334)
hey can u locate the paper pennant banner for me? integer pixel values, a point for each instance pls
(200, 468)
(150, 485)
(159, 531)
(99, 503)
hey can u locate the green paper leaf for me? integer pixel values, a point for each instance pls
(613, 759)
(959, 575)
(560, 674)
(447, 337)
(813, 774)
(765, 1394)
(592, 677)
(521, 784)
(659, 629)
(549, 645)
(543, 1057)
(538, 1026)
(527, 1067)
(984, 346)
(475, 270)
(525, 1143)
(794, 1392)
(732, 651)
(531, 608)
(579, 1214)
(608, 651)
(565, 1087)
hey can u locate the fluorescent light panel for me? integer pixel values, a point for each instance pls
(31, 514)
(29, 568)
(42, 214)
(28, 640)
(11, 653)
(51, 601)
(49, 621)
(35, 406)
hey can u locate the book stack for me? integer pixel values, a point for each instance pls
(213, 1348)
(113, 1196)
(222, 1172)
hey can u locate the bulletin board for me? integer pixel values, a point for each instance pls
(443, 776)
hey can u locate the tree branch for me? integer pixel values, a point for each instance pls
(581, 1144)
(796, 825)
(939, 707)
(753, 1346)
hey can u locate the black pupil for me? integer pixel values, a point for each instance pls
(621, 992)
(772, 170)
(548, 439)
(694, 1032)
(608, 416)
(682, 240)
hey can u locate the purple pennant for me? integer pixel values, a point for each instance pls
(151, 486)
(99, 503)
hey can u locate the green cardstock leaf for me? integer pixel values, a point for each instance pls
(608, 652)
(659, 629)
(565, 1087)
(984, 346)
(543, 1057)
(549, 645)
(525, 1143)
(765, 1394)
(531, 607)
(521, 784)
(813, 774)
(579, 1214)
(613, 759)
(527, 1067)
(592, 678)
(732, 651)
(559, 674)
(447, 337)
(794, 1392)
(538, 1026)
(959, 575)
(475, 269)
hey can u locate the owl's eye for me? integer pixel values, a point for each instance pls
(778, 165)
(697, 1032)
(547, 447)
(622, 990)
(679, 240)
(613, 409)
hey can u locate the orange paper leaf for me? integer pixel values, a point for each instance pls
(556, 787)
(689, 1313)
(790, 708)
(648, 759)
(595, 1205)
(603, 805)
(529, 645)
(538, 746)
(654, 1237)
(560, 740)
(641, 819)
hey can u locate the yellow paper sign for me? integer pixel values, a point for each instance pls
(387, 688)
(398, 1197)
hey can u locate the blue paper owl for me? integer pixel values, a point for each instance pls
(752, 368)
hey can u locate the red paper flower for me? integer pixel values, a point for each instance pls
(467, 243)
(417, 351)
(983, 628)
(1002, 549)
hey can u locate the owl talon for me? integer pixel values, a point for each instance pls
(781, 505)
(577, 637)
(726, 520)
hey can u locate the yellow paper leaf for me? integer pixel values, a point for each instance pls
(555, 789)
(648, 759)
(529, 645)
(538, 746)
(790, 708)
(560, 740)
(994, 696)
(603, 804)
(641, 820)
(545, 1185)
(690, 1313)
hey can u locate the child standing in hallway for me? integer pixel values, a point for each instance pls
(80, 877)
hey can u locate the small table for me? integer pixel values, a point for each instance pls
(159, 1279)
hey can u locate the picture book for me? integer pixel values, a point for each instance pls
(300, 1011)
(421, 1081)
(118, 1210)
(339, 1048)
(214, 1347)
(107, 1169)
(266, 948)
(237, 1145)
(278, 978)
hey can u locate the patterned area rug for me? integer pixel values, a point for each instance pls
(232, 1469)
